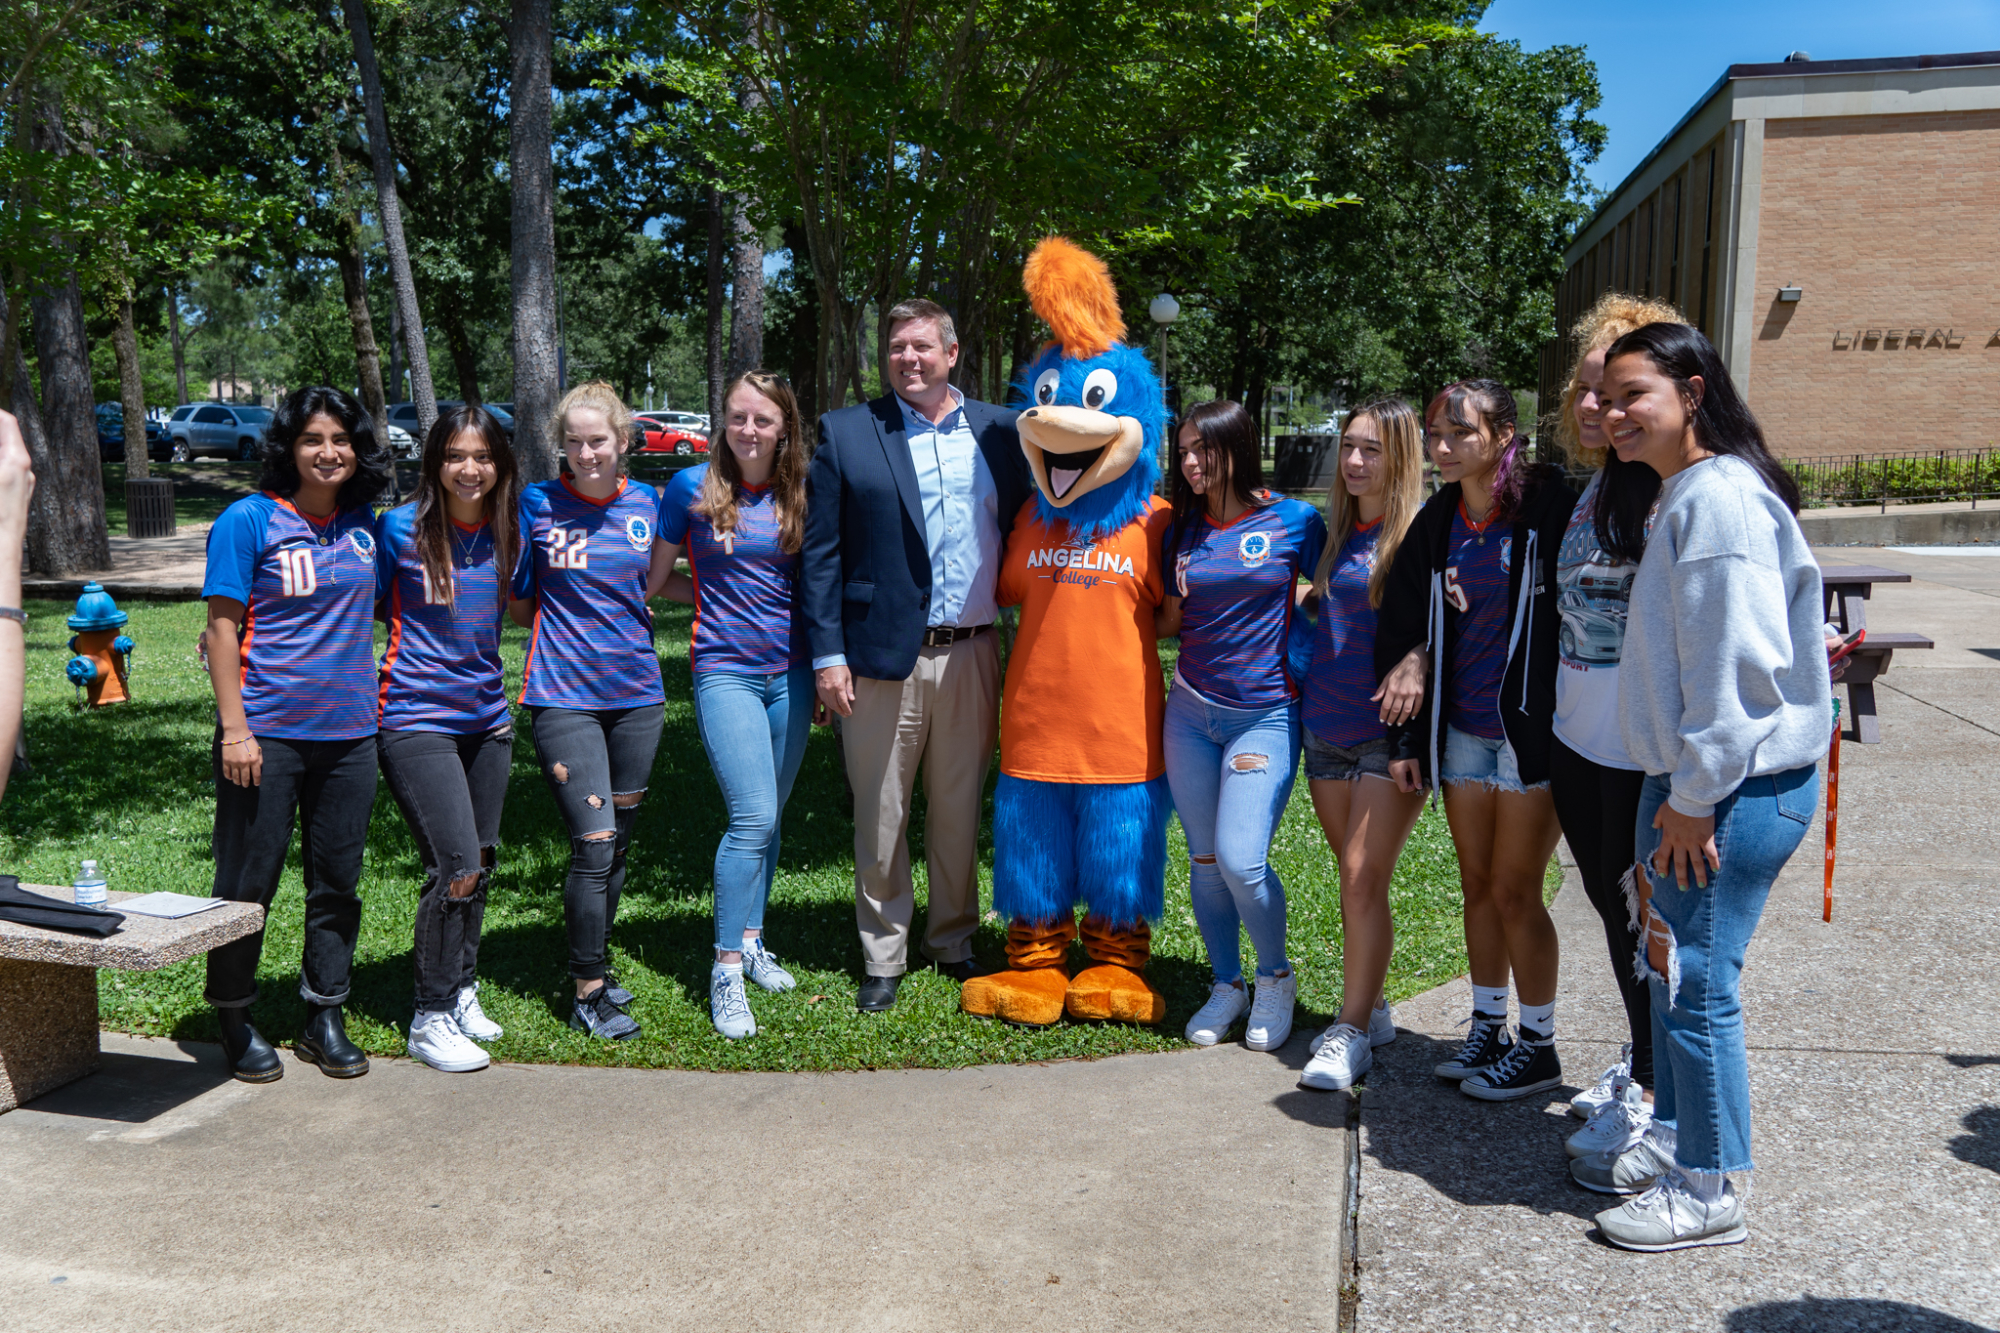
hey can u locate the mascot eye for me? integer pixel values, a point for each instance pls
(1099, 388)
(1045, 386)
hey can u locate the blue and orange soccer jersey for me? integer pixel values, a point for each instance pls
(1342, 677)
(584, 564)
(746, 606)
(1475, 583)
(308, 592)
(1236, 583)
(441, 668)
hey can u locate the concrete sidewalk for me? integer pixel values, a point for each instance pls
(1875, 1067)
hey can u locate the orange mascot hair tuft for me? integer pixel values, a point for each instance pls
(1071, 289)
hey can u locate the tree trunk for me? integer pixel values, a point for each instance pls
(361, 324)
(392, 213)
(464, 356)
(717, 363)
(131, 392)
(21, 402)
(180, 342)
(395, 385)
(746, 303)
(529, 117)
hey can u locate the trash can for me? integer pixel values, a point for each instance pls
(149, 507)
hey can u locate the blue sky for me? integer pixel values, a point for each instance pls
(1654, 59)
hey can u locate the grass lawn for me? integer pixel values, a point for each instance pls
(202, 490)
(131, 787)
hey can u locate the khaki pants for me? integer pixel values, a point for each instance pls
(946, 717)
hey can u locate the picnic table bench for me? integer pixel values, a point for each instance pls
(48, 984)
(1846, 589)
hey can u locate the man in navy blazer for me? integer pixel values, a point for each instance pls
(911, 498)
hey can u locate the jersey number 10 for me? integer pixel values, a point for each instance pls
(569, 548)
(296, 573)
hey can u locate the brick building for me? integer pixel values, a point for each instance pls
(1834, 228)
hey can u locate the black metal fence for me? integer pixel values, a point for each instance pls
(1906, 478)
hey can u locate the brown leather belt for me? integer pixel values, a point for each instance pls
(943, 636)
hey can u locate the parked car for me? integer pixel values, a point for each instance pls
(668, 436)
(111, 436)
(225, 430)
(694, 421)
(403, 422)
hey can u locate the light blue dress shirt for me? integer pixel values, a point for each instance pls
(961, 509)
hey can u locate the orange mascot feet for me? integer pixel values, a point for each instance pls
(1114, 989)
(1031, 990)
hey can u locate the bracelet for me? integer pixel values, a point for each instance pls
(245, 741)
(15, 614)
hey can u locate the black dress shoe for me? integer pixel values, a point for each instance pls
(250, 1057)
(877, 994)
(962, 971)
(324, 1043)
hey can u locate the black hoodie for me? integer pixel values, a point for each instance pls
(1416, 614)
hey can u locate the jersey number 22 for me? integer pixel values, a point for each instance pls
(569, 548)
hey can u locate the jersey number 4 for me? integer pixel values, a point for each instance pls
(296, 573)
(569, 548)
(1453, 593)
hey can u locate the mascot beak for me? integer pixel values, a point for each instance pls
(1072, 450)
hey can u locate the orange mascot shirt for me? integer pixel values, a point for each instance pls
(1084, 696)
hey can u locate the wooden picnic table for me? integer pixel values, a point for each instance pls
(1846, 589)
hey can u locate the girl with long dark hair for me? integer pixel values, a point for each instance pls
(290, 587)
(741, 519)
(592, 680)
(1725, 702)
(1231, 729)
(1368, 510)
(447, 742)
(1474, 585)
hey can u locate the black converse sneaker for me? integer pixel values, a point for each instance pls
(1484, 1045)
(1530, 1067)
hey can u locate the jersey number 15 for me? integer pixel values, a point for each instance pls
(1453, 592)
(569, 548)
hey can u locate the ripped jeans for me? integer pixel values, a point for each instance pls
(1231, 773)
(1701, 1068)
(450, 787)
(590, 760)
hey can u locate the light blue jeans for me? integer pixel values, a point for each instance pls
(754, 729)
(1700, 1066)
(1231, 771)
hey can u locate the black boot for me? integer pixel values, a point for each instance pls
(250, 1056)
(324, 1043)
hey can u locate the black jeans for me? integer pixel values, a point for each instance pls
(1599, 810)
(590, 759)
(450, 787)
(331, 784)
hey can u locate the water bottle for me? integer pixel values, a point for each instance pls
(90, 886)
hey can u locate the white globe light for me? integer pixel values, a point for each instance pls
(1164, 309)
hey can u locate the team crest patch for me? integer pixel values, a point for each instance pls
(1254, 549)
(638, 533)
(363, 542)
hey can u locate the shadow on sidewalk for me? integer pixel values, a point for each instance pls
(1811, 1315)
(134, 1089)
(1982, 1146)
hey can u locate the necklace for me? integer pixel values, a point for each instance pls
(1477, 525)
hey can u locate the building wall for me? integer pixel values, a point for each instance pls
(1889, 224)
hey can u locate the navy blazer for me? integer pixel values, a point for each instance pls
(865, 575)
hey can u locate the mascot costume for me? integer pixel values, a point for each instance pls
(1080, 812)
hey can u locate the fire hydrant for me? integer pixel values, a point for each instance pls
(102, 654)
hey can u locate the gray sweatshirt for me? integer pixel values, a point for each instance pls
(1724, 674)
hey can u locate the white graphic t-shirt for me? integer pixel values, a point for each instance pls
(1593, 589)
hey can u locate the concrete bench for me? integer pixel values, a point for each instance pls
(48, 985)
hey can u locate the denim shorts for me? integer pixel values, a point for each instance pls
(1491, 764)
(1340, 763)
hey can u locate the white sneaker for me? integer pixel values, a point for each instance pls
(1605, 1091)
(1619, 1124)
(1344, 1055)
(471, 1019)
(761, 966)
(1671, 1216)
(1633, 1171)
(436, 1040)
(1270, 1024)
(728, 1006)
(1227, 1002)
(1381, 1030)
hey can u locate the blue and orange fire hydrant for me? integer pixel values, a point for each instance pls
(103, 655)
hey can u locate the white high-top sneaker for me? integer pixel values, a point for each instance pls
(436, 1040)
(1605, 1091)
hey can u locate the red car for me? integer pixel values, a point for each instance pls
(665, 436)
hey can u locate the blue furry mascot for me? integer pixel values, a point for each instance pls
(1080, 814)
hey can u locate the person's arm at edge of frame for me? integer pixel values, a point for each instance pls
(819, 581)
(17, 489)
(1405, 605)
